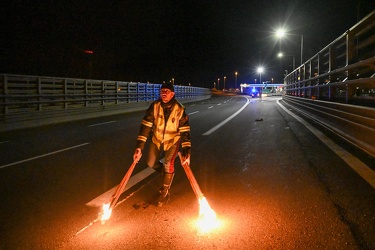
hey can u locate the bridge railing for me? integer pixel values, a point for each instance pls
(19, 93)
(31, 101)
(343, 72)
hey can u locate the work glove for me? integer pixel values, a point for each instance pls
(137, 154)
(185, 153)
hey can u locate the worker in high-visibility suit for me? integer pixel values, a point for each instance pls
(167, 121)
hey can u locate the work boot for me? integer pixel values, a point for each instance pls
(164, 191)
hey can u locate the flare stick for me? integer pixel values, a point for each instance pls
(192, 180)
(122, 185)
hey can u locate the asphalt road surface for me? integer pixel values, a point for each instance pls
(272, 181)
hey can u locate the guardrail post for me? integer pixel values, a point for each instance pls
(86, 93)
(350, 50)
(128, 92)
(5, 92)
(117, 92)
(65, 93)
(137, 91)
(39, 86)
(103, 92)
(331, 63)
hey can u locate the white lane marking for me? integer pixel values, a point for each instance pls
(226, 120)
(358, 166)
(210, 107)
(44, 155)
(99, 124)
(1, 142)
(192, 113)
(218, 104)
(105, 197)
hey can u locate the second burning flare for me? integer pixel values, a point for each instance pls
(207, 217)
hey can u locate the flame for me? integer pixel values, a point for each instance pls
(207, 217)
(106, 213)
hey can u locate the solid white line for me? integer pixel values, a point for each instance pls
(40, 156)
(105, 197)
(192, 113)
(358, 166)
(99, 124)
(227, 120)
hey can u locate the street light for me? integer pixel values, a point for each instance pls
(218, 83)
(260, 71)
(294, 59)
(236, 81)
(280, 33)
(224, 81)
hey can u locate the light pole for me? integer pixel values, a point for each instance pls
(224, 81)
(235, 87)
(280, 33)
(90, 54)
(218, 83)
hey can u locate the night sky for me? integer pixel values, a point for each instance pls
(193, 42)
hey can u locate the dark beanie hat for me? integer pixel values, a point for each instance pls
(167, 85)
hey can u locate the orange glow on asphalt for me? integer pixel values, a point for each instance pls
(106, 213)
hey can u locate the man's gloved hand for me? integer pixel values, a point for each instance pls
(185, 153)
(137, 154)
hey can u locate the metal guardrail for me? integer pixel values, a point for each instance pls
(327, 85)
(36, 93)
(344, 71)
(35, 98)
(354, 123)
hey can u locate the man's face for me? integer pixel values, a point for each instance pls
(166, 95)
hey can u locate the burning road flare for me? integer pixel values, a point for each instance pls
(207, 216)
(106, 213)
(108, 207)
